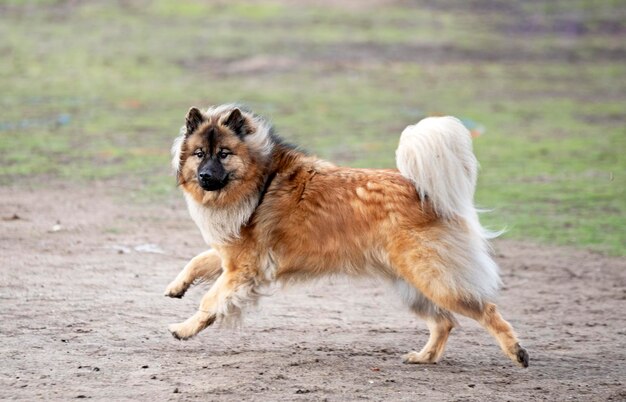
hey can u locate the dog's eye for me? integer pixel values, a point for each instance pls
(223, 154)
(199, 153)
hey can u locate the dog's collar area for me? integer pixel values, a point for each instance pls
(268, 182)
(266, 186)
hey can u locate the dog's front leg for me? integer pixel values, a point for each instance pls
(204, 267)
(227, 296)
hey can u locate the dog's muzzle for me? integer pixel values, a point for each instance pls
(211, 183)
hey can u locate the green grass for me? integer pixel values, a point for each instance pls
(97, 90)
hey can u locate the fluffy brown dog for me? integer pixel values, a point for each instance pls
(271, 214)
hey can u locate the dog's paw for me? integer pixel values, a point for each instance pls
(179, 331)
(176, 290)
(191, 326)
(522, 356)
(419, 358)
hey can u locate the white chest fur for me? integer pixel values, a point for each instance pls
(220, 225)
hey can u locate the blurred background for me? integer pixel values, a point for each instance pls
(96, 91)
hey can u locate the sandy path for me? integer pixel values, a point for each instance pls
(83, 316)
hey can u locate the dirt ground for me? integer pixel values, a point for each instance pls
(83, 316)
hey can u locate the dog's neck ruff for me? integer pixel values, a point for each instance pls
(221, 225)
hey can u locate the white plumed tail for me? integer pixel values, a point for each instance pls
(436, 154)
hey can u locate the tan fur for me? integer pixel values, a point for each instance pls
(316, 219)
(204, 267)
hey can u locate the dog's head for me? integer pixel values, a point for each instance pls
(223, 150)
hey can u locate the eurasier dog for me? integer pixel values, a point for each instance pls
(272, 213)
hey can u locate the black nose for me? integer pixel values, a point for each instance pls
(206, 177)
(209, 182)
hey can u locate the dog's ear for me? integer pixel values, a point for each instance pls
(238, 123)
(193, 119)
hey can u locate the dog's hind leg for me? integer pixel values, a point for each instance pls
(440, 322)
(204, 267)
(447, 289)
(439, 328)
